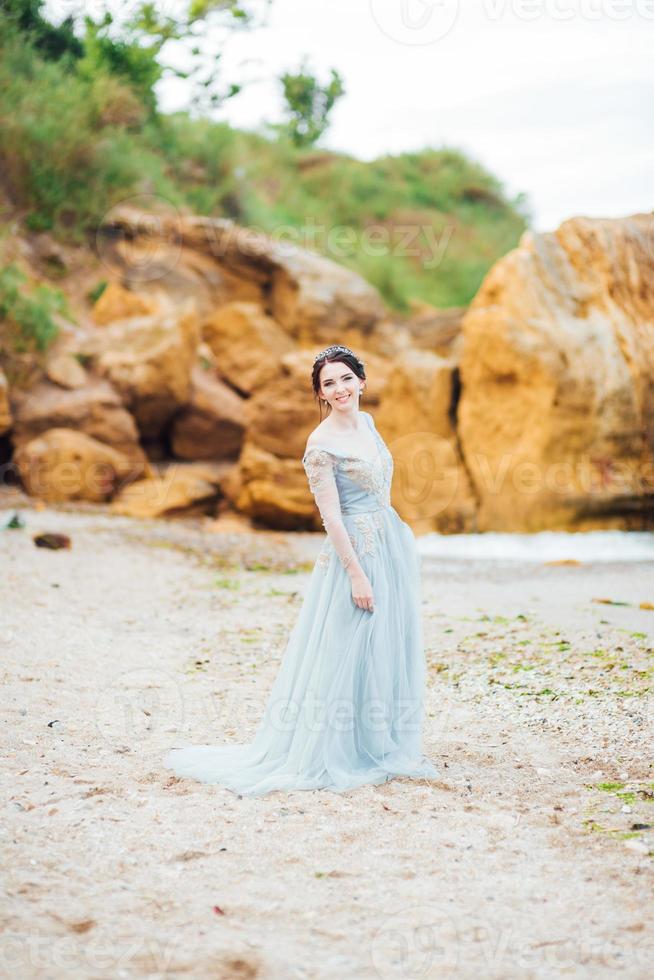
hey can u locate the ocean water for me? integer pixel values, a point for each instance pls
(585, 546)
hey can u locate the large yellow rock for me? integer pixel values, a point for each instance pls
(247, 344)
(319, 302)
(62, 464)
(95, 410)
(175, 488)
(118, 303)
(272, 490)
(557, 413)
(149, 361)
(65, 370)
(212, 425)
(165, 259)
(316, 301)
(282, 412)
(431, 489)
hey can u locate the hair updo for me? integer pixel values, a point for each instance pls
(328, 356)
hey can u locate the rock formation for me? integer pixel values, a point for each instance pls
(556, 416)
(185, 388)
(64, 464)
(94, 409)
(148, 359)
(212, 423)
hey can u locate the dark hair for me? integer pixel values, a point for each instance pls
(329, 356)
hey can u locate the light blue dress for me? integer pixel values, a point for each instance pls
(347, 705)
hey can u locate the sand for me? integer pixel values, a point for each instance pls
(532, 856)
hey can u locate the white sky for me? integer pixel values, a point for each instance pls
(555, 97)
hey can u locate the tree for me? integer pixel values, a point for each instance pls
(52, 42)
(129, 41)
(309, 104)
(201, 31)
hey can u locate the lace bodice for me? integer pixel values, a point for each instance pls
(350, 492)
(363, 485)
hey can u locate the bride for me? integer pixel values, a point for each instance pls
(347, 705)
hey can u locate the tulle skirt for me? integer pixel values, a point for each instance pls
(347, 705)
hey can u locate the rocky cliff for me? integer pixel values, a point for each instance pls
(186, 385)
(556, 416)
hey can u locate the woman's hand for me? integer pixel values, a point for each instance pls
(362, 591)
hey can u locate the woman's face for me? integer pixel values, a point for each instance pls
(340, 386)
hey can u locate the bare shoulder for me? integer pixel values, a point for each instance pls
(322, 436)
(318, 436)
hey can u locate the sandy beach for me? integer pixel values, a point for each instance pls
(532, 856)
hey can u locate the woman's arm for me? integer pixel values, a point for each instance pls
(319, 467)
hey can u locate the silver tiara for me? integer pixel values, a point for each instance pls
(335, 349)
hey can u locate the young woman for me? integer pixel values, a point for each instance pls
(347, 705)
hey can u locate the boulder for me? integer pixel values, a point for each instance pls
(95, 410)
(66, 371)
(175, 488)
(282, 412)
(416, 418)
(63, 464)
(319, 302)
(118, 303)
(316, 301)
(149, 360)
(272, 490)
(211, 426)
(169, 263)
(247, 344)
(556, 417)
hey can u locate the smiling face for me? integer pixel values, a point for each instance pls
(340, 386)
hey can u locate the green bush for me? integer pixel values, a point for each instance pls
(27, 318)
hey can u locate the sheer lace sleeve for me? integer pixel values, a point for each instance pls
(319, 467)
